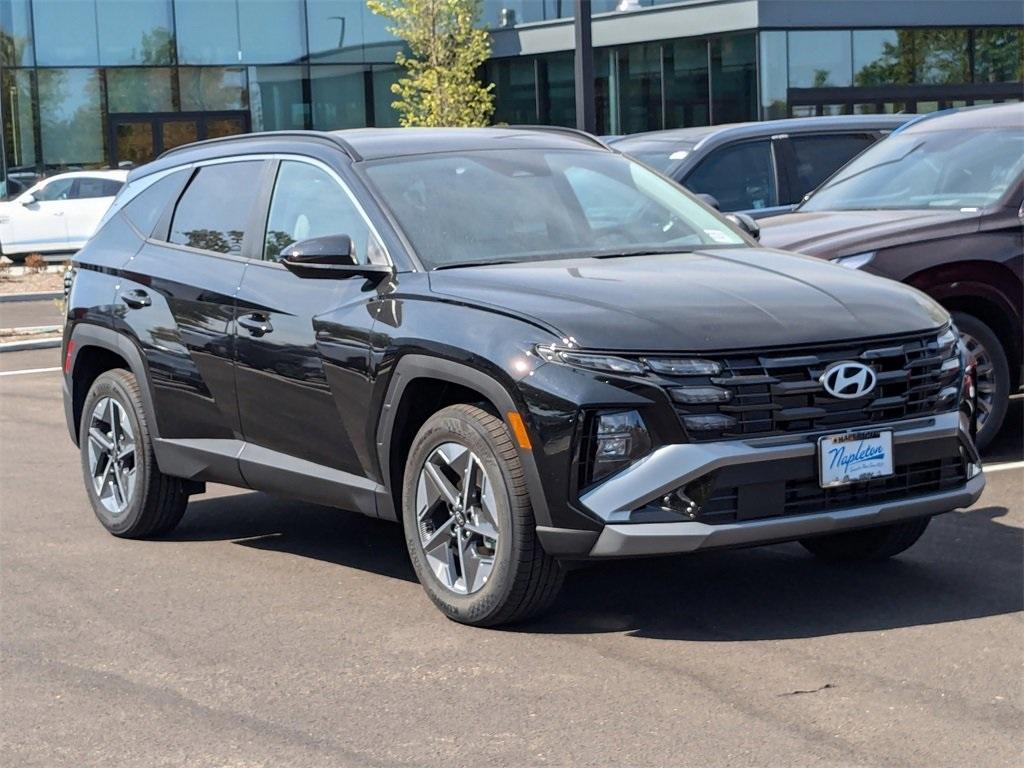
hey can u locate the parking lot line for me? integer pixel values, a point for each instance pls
(1003, 466)
(29, 370)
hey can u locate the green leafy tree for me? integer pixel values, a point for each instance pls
(446, 48)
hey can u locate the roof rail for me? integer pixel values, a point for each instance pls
(241, 137)
(561, 129)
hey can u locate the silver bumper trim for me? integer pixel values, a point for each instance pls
(666, 538)
(672, 466)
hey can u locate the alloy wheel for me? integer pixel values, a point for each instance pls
(984, 376)
(113, 460)
(456, 518)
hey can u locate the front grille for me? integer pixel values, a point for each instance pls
(778, 392)
(801, 496)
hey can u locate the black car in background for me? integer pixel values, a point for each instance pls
(525, 347)
(938, 205)
(762, 168)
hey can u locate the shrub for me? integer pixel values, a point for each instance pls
(36, 263)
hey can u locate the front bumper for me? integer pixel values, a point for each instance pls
(617, 500)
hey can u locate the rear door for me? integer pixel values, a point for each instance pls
(302, 347)
(89, 200)
(177, 295)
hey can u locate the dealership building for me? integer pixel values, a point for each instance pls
(92, 83)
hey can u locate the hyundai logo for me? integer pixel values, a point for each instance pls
(848, 381)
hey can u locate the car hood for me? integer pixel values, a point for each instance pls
(828, 234)
(707, 300)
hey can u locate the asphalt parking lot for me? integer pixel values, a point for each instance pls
(269, 633)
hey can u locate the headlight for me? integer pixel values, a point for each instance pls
(594, 362)
(614, 440)
(856, 261)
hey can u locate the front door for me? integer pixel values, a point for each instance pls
(139, 138)
(41, 224)
(302, 348)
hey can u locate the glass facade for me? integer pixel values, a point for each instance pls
(95, 83)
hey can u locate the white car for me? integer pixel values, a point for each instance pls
(59, 213)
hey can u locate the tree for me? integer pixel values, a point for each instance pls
(440, 86)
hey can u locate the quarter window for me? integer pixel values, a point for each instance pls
(308, 202)
(215, 209)
(145, 210)
(740, 177)
(92, 187)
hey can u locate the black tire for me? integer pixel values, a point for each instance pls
(877, 543)
(993, 348)
(157, 501)
(525, 579)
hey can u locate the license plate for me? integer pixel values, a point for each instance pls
(854, 456)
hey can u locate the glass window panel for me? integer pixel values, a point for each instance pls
(135, 31)
(515, 90)
(740, 177)
(557, 89)
(339, 96)
(212, 89)
(174, 133)
(146, 208)
(58, 189)
(215, 209)
(606, 104)
(223, 126)
(19, 136)
(309, 203)
(818, 157)
(734, 79)
(16, 33)
(882, 57)
(998, 55)
(774, 75)
(384, 115)
(137, 89)
(275, 98)
(134, 141)
(90, 187)
(686, 84)
(207, 32)
(65, 32)
(71, 117)
(271, 31)
(941, 56)
(640, 87)
(819, 59)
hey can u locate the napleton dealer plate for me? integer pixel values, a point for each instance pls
(854, 456)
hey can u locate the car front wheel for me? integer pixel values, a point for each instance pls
(992, 374)
(469, 524)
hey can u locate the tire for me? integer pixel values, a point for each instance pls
(877, 543)
(153, 503)
(993, 374)
(474, 450)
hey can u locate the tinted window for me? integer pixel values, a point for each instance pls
(308, 203)
(147, 207)
(740, 177)
(92, 187)
(215, 209)
(55, 190)
(818, 157)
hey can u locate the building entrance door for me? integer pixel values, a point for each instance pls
(138, 138)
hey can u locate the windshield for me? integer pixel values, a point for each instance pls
(524, 205)
(934, 170)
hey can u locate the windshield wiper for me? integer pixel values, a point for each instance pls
(482, 263)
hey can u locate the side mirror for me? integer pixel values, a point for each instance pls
(28, 199)
(331, 256)
(746, 223)
(709, 200)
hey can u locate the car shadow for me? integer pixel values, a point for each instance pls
(967, 566)
(1008, 445)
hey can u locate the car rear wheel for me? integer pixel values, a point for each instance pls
(992, 374)
(469, 524)
(877, 543)
(130, 495)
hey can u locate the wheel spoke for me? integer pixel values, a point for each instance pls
(100, 440)
(119, 485)
(441, 532)
(441, 483)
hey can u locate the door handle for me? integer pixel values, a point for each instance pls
(136, 299)
(256, 324)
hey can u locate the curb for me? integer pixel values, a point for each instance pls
(37, 296)
(20, 346)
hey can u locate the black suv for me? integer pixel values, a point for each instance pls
(526, 347)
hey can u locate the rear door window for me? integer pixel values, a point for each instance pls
(214, 212)
(88, 187)
(740, 177)
(815, 158)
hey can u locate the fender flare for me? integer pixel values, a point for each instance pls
(414, 366)
(86, 335)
